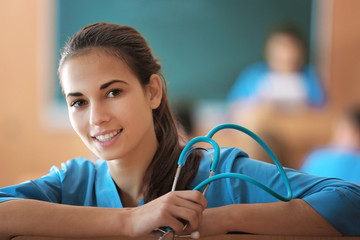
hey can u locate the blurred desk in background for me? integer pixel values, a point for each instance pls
(291, 135)
(222, 237)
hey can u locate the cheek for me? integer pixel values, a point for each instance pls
(76, 123)
(139, 117)
(135, 114)
(135, 108)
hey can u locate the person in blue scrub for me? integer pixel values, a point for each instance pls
(341, 157)
(275, 89)
(283, 79)
(117, 104)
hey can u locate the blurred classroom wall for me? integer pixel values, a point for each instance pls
(344, 70)
(29, 147)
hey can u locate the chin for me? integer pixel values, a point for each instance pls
(109, 156)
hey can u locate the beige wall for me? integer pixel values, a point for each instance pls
(345, 53)
(28, 147)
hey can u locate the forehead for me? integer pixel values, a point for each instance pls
(93, 55)
(93, 67)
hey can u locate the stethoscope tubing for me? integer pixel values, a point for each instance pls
(215, 161)
(208, 139)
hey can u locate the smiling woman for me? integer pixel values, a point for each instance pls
(102, 109)
(117, 104)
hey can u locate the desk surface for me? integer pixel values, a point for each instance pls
(222, 237)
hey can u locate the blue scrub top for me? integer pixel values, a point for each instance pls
(83, 183)
(249, 81)
(334, 162)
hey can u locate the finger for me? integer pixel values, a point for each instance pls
(186, 204)
(171, 215)
(186, 209)
(187, 216)
(177, 217)
(175, 224)
(192, 195)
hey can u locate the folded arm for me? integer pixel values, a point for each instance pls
(32, 217)
(295, 217)
(39, 218)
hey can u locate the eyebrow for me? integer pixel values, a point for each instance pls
(75, 94)
(106, 85)
(103, 86)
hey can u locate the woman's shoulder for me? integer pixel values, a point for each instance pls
(233, 159)
(228, 153)
(228, 156)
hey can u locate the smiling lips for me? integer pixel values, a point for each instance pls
(108, 136)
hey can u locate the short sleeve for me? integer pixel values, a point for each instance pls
(46, 188)
(79, 182)
(339, 203)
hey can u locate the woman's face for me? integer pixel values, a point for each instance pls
(108, 107)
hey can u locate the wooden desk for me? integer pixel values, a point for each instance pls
(222, 237)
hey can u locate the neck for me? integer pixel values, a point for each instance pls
(128, 173)
(129, 180)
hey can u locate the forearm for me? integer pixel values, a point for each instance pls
(30, 217)
(288, 218)
(279, 218)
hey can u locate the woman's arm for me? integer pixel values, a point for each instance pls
(295, 217)
(32, 217)
(39, 218)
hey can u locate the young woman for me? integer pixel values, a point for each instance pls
(118, 106)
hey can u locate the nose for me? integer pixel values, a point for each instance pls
(98, 114)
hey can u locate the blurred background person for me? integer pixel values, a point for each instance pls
(272, 92)
(283, 79)
(341, 157)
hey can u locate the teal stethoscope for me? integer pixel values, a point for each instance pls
(168, 233)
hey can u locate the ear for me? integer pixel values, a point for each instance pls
(154, 91)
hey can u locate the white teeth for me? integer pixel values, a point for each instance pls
(107, 137)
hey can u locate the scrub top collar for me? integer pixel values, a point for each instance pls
(107, 189)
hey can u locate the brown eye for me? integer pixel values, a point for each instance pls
(114, 92)
(78, 103)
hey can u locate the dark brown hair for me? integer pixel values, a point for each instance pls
(128, 44)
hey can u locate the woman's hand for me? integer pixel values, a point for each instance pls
(173, 210)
